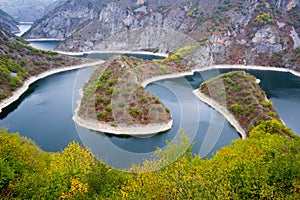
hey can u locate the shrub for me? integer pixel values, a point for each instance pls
(108, 108)
(101, 115)
(122, 104)
(264, 19)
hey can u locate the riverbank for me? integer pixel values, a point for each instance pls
(43, 39)
(238, 67)
(16, 94)
(119, 129)
(120, 52)
(256, 67)
(221, 109)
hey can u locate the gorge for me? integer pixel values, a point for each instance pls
(245, 53)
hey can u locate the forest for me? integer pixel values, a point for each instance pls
(264, 166)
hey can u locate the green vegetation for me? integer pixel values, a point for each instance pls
(294, 17)
(19, 61)
(12, 75)
(264, 166)
(264, 19)
(114, 91)
(240, 93)
(192, 13)
(179, 54)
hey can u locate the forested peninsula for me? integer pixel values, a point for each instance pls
(115, 101)
(238, 96)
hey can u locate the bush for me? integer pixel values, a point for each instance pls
(108, 108)
(122, 104)
(101, 115)
(3, 95)
(264, 19)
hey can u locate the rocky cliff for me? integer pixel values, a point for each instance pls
(7, 22)
(235, 31)
(65, 20)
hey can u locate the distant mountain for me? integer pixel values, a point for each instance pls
(65, 20)
(7, 22)
(235, 31)
(29, 10)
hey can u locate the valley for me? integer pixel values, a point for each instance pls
(117, 99)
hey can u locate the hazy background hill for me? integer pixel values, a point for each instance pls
(7, 22)
(29, 10)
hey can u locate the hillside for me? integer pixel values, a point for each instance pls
(19, 61)
(7, 22)
(241, 95)
(29, 10)
(235, 31)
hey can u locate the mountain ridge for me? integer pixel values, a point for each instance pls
(234, 31)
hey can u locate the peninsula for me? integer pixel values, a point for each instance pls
(114, 101)
(240, 99)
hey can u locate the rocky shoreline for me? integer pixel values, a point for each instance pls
(16, 94)
(43, 39)
(70, 53)
(221, 109)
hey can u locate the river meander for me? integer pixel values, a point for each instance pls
(44, 114)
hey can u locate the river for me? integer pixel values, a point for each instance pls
(45, 112)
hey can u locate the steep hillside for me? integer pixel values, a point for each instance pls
(19, 61)
(29, 10)
(235, 31)
(7, 22)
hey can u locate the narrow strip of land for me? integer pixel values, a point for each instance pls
(221, 109)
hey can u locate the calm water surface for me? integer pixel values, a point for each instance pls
(45, 112)
(23, 28)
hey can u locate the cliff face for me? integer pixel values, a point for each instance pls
(65, 20)
(235, 31)
(133, 27)
(7, 22)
